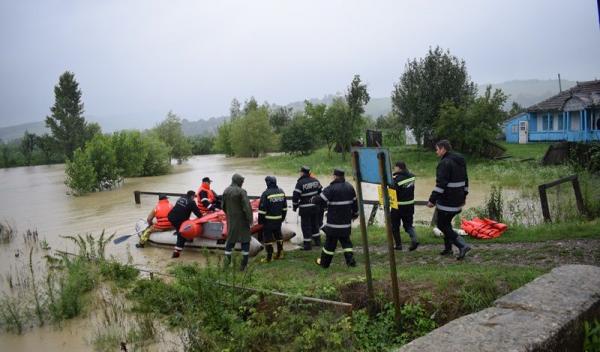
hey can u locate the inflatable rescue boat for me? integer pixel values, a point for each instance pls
(210, 232)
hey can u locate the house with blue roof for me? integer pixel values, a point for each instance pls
(572, 115)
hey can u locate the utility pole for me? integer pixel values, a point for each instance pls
(559, 83)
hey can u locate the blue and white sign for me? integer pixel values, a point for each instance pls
(368, 164)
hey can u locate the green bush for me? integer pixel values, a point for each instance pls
(297, 137)
(78, 278)
(122, 275)
(130, 152)
(251, 134)
(158, 160)
(592, 336)
(81, 176)
(101, 154)
(202, 145)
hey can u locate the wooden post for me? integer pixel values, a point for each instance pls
(363, 233)
(390, 238)
(136, 196)
(578, 196)
(544, 203)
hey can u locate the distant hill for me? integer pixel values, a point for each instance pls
(524, 92)
(10, 133)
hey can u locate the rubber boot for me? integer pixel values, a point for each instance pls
(227, 260)
(413, 239)
(279, 254)
(397, 241)
(447, 247)
(307, 245)
(175, 254)
(244, 263)
(349, 256)
(463, 247)
(269, 249)
(245, 253)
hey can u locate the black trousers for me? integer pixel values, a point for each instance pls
(180, 239)
(331, 241)
(444, 223)
(403, 216)
(309, 222)
(271, 231)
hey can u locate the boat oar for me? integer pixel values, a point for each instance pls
(124, 237)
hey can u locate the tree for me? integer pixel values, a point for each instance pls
(280, 117)
(170, 132)
(298, 137)
(425, 85)
(223, 139)
(322, 124)
(48, 146)
(251, 135)
(471, 127)
(158, 156)
(356, 98)
(101, 155)
(129, 152)
(392, 129)
(66, 122)
(202, 145)
(515, 108)
(235, 109)
(337, 118)
(250, 105)
(28, 146)
(81, 176)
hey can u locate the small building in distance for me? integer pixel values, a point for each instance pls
(572, 115)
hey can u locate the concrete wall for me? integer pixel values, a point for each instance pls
(545, 315)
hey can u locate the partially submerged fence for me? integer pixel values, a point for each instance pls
(544, 197)
(137, 195)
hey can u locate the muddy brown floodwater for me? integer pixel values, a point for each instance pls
(37, 198)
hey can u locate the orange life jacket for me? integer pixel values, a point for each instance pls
(161, 212)
(483, 228)
(210, 196)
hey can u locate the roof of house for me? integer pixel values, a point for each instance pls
(586, 93)
(514, 117)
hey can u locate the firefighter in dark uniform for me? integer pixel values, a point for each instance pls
(272, 210)
(404, 184)
(181, 212)
(340, 200)
(449, 195)
(306, 188)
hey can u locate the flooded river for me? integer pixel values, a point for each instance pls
(36, 198)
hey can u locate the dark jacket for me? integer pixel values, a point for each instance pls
(451, 183)
(404, 184)
(306, 188)
(340, 199)
(273, 205)
(184, 207)
(237, 208)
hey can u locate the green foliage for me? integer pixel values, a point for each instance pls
(356, 98)
(515, 108)
(170, 132)
(27, 146)
(471, 126)
(67, 124)
(425, 85)
(49, 149)
(592, 336)
(76, 280)
(202, 145)
(158, 159)
(81, 177)
(251, 134)
(297, 137)
(235, 109)
(585, 156)
(323, 126)
(223, 140)
(102, 157)
(122, 275)
(130, 152)
(279, 118)
(392, 130)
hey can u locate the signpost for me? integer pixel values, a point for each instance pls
(372, 165)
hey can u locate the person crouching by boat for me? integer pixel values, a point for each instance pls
(340, 199)
(208, 201)
(239, 219)
(184, 207)
(161, 213)
(272, 210)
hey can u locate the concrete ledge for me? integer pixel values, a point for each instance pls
(547, 314)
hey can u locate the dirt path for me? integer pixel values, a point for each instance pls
(539, 254)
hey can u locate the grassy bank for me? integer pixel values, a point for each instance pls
(512, 173)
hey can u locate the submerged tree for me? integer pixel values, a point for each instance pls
(425, 85)
(28, 146)
(170, 132)
(66, 122)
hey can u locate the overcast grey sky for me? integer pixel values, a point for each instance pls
(143, 58)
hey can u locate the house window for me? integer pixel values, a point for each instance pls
(547, 122)
(514, 128)
(559, 118)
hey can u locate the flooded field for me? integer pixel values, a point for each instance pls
(35, 198)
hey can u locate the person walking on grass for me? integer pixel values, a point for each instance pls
(237, 209)
(184, 207)
(272, 210)
(340, 200)
(449, 195)
(404, 184)
(307, 187)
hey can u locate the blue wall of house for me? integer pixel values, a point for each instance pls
(586, 126)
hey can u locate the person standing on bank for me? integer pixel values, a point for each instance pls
(306, 188)
(272, 210)
(184, 207)
(239, 219)
(404, 184)
(449, 195)
(340, 199)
